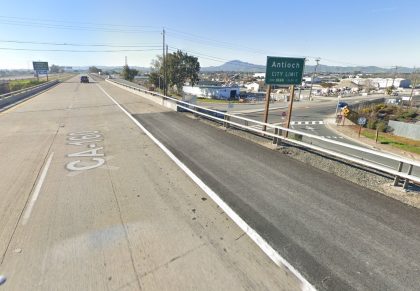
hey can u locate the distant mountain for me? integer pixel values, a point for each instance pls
(235, 66)
(110, 68)
(239, 66)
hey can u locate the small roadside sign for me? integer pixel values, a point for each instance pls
(284, 71)
(346, 111)
(40, 67)
(283, 114)
(361, 121)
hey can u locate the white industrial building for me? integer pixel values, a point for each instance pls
(308, 80)
(381, 83)
(259, 75)
(252, 87)
(216, 92)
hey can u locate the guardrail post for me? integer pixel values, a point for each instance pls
(277, 140)
(405, 185)
(226, 124)
(276, 132)
(397, 178)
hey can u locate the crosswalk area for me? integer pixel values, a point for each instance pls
(302, 125)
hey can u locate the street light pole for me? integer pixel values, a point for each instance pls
(336, 108)
(312, 79)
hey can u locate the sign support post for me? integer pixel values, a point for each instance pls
(267, 105)
(289, 115)
(283, 71)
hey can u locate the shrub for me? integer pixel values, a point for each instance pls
(381, 126)
(371, 124)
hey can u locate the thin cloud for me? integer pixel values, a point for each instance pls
(384, 9)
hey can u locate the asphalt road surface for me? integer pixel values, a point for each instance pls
(339, 235)
(89, 202)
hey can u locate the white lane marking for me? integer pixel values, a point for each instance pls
(320, 122)
(37, 189)
(261, 242)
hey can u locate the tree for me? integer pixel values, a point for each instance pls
(369, 86)
(180, 67)
(95, 70)
(128, 74)
(56, 69)
(156, 74)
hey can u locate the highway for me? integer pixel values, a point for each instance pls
(339, 235)
(89, 202)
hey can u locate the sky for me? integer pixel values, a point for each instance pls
(81, 33)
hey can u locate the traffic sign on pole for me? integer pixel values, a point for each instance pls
(40, 67)
(284, 71)
(361, 120)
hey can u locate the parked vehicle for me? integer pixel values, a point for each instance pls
(342, 104)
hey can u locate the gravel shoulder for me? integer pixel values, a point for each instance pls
(363, 176)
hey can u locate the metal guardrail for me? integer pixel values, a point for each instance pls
(10, 94)
(225, 119)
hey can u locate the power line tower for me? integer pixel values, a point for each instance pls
(312, 78)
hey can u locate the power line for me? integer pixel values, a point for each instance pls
(64, 21)
(79, 51)
(178, 34)
(72, 27)
(75, 44)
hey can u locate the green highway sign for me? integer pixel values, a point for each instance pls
(40, 66)
(284, 71)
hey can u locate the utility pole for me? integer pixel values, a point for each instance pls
(164, 63)
(312, 79)
(393, 79)
(413, 86)
(166, 72)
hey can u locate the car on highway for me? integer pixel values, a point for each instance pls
(84, 79)
(342, 104)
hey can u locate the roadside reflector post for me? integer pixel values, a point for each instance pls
(267, 106)
(289, 115)
(406, 181)
(397, 178)
(376, 135)
(360, 129)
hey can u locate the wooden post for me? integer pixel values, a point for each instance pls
(267, 106)
(289, 115)
(360, 129)
(376, 136)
